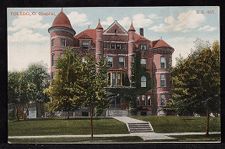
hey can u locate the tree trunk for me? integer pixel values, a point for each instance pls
(207, 122)
(17, 113)
(68, 114)
(91, 116)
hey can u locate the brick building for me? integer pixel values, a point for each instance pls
(122, 48)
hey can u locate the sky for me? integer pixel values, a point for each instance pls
(29, 40)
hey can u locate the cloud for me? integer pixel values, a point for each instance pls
(78, 19)
(25, 36)
(207, 28)
(139, 20)
(184, 22)
(108, 21)
(28, 22)
(125, 22)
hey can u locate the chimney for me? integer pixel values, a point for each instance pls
(142, 31)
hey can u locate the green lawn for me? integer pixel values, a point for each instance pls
(65, 127)
(167, 124)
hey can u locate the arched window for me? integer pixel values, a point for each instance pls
(143, 81)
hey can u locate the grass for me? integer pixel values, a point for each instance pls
(169, 124)
(65, 127)
(75, 140)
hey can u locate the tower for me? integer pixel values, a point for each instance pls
(99, 42)
(163, 61)
(131, 33)
(61, 36)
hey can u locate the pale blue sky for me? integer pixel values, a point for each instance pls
(28, 38)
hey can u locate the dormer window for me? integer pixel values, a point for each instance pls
(143, 47)
(85, 44)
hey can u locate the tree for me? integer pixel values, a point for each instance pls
(36, 79)
(196, 81)
(14, 90)
(94, 81)
(26, 86)
(65, 90)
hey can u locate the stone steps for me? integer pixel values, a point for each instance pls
(139, 127)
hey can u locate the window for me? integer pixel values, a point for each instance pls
(52, 75)
(143, 47)
(138, 100)
(53, 59)
(144, 99)
(63, 42)
(113, 79)
(105, 45)
(162, 62)
(162, 80)
(149, 100)
(143, 81)
(143, 62)
(109, 79)
(52, 42)
(113, 46)
(162, 100)
(85, 44)
(119, 79)
(118, 46)
(121, 61)
(123, 46)
(133, 59)
(110, 61)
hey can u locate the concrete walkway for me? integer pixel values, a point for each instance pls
(126, 119)
(144, 136)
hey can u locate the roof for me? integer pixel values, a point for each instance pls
(61, 20)
(138, 37)
(115, 28)
(160, 43)
(88, 33)
(131, 27)
(99, 26)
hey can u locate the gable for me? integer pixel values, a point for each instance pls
(115, 28)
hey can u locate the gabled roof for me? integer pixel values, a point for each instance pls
(115, 27)
(87, 34)
(160, 43)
